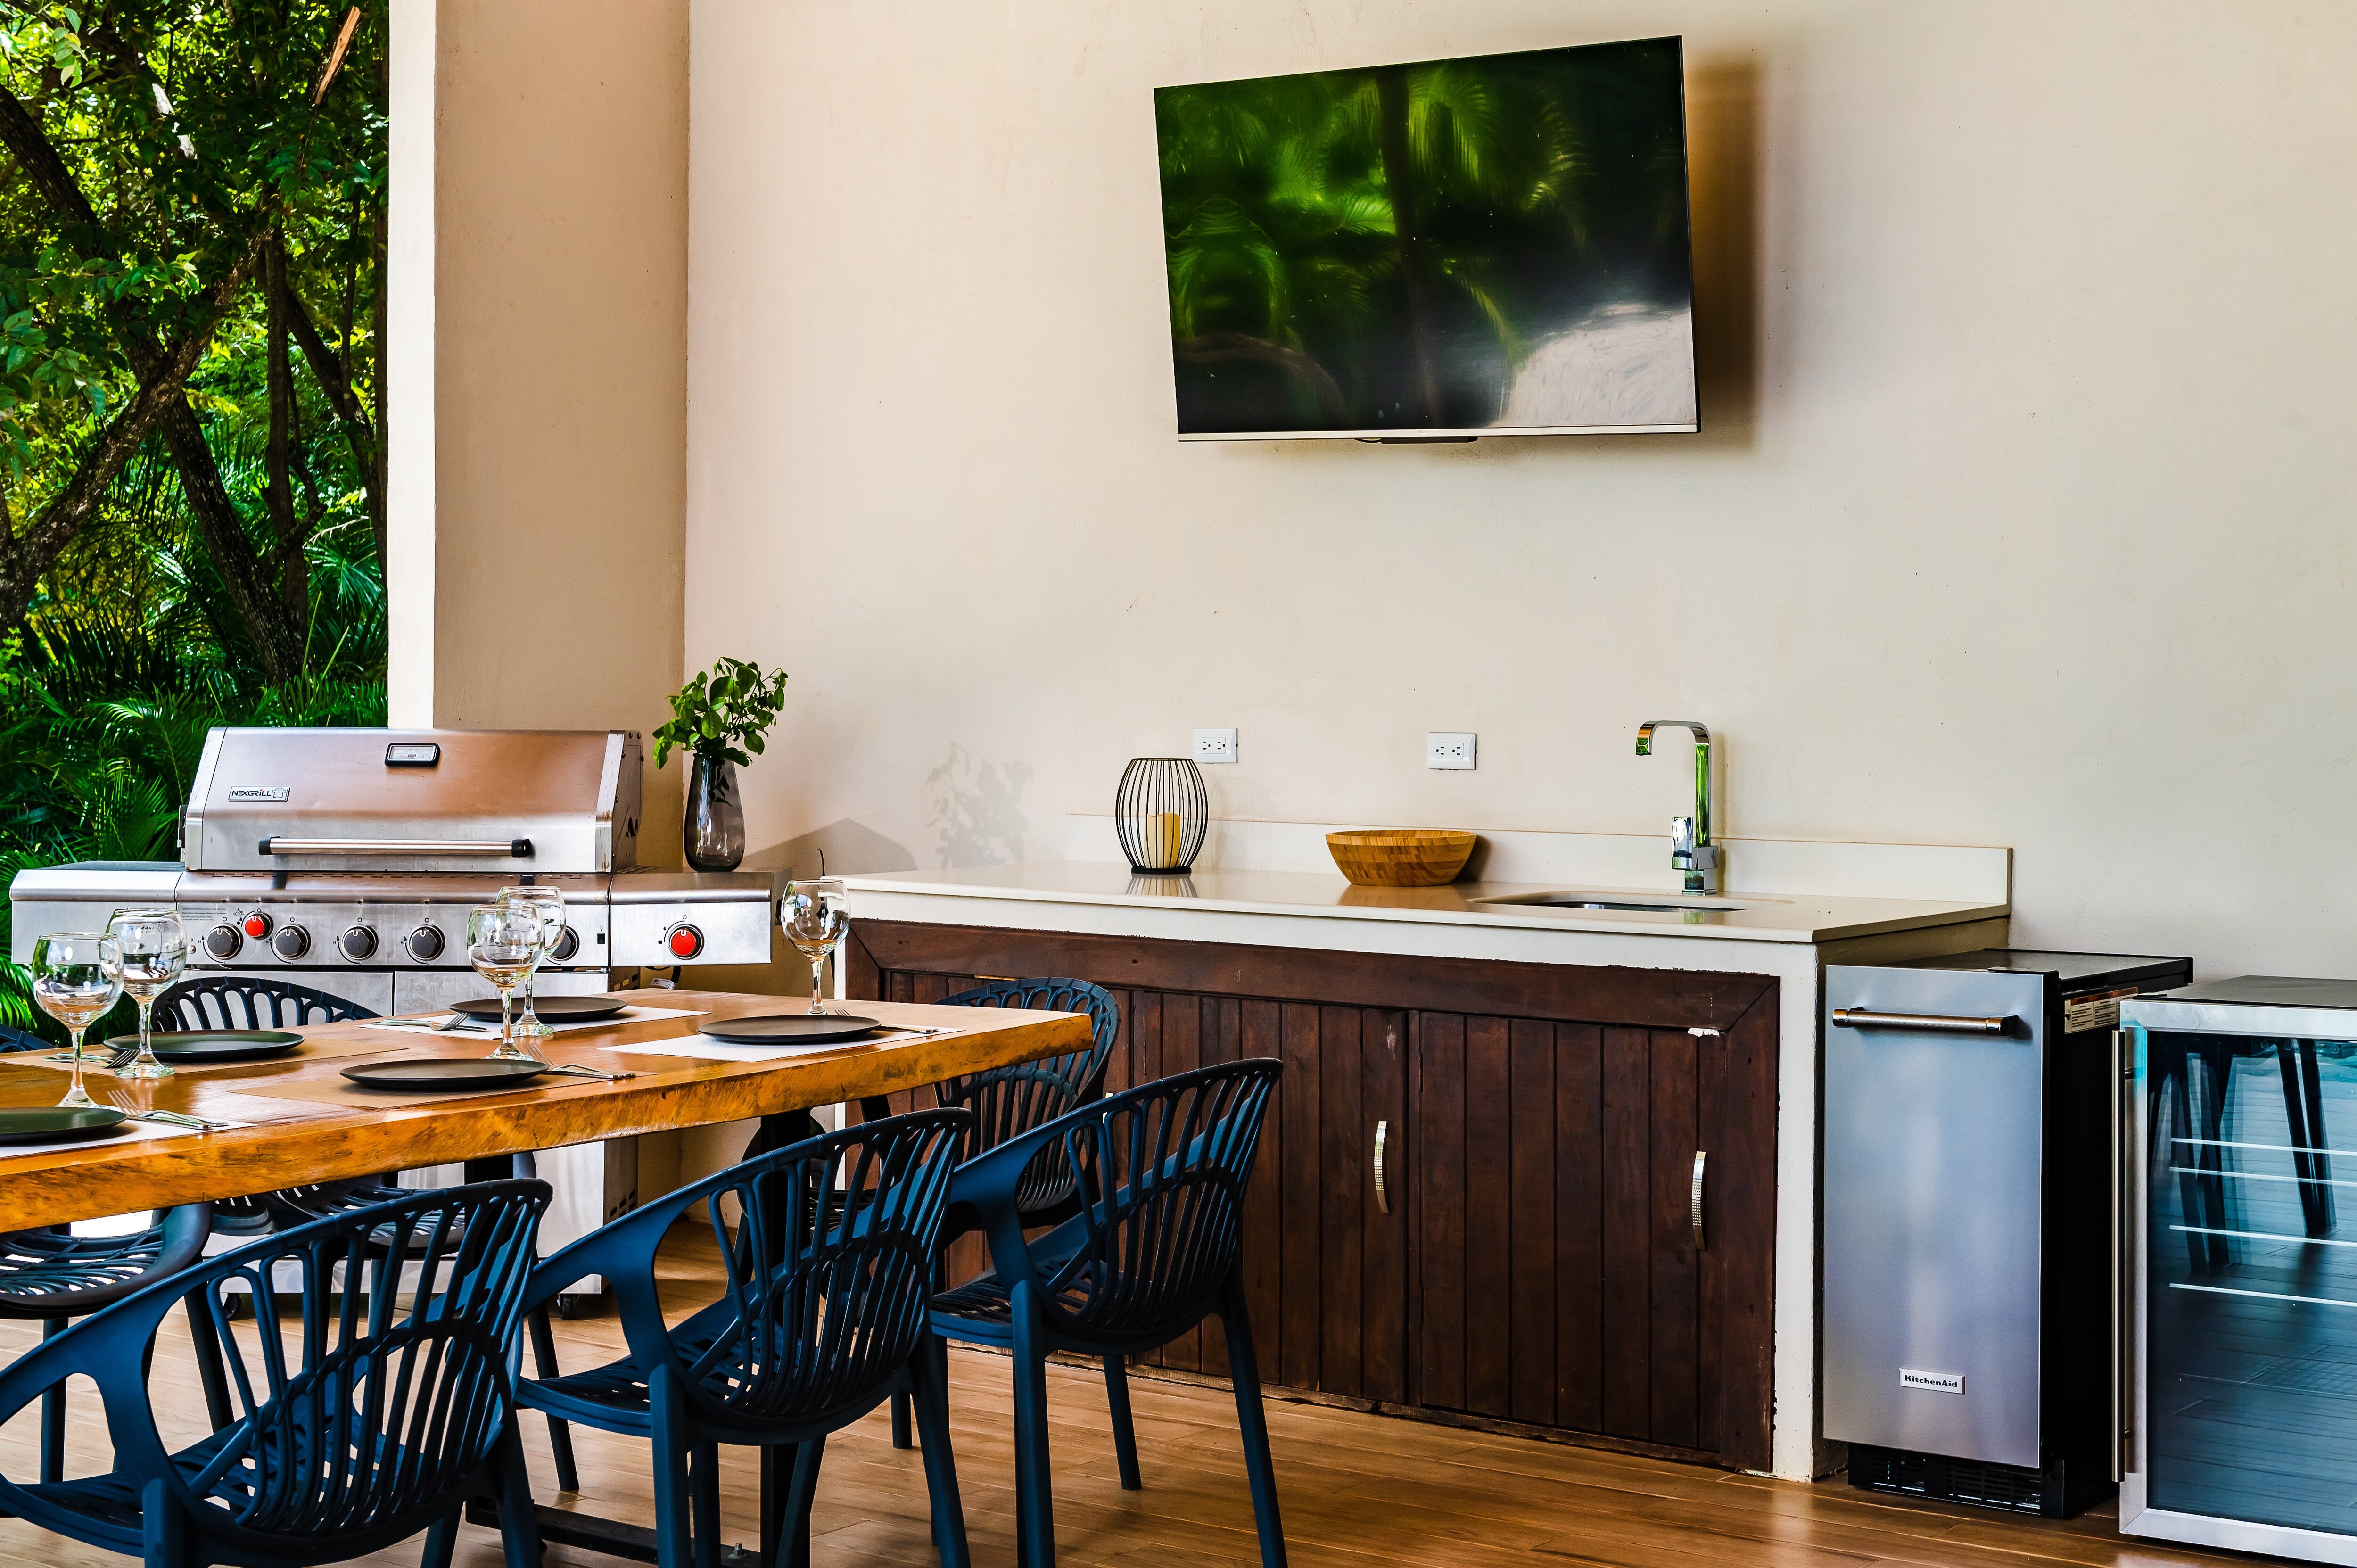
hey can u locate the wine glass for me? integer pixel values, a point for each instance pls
(503, 943)
(76, 978)
(548, 903)
(152, 949)
(815, 918)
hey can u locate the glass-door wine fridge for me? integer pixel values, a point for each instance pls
(2238, 1277)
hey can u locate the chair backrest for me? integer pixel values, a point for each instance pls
(242, 1002)
(350, 1414)
(1009, 1102)
(829, 1266)
(14, 1039)
(1162, 1170)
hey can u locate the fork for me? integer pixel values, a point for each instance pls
(176, 1119)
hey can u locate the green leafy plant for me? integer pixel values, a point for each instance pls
(722, 714)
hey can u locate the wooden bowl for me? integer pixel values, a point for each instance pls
(1401, 857)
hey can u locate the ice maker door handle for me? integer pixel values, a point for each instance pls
(1920, 1023)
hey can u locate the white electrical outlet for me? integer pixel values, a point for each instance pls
(1215, 746)
(1448, 750)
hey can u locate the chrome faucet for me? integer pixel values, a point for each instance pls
(1691, 850)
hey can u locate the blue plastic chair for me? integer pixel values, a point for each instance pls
(1155, 1247)
(357, 1424)
(1009, 1102)
(55, 1276)
(264, 1002)
(829, 1269)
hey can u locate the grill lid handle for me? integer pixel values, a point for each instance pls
(504, 849)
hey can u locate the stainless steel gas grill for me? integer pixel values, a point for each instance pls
(346, 860)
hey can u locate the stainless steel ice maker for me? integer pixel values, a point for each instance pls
(1966, 1191)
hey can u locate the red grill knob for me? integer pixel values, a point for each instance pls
(257, 925)
(684, 941)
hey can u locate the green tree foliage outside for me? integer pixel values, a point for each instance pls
(192, 512)
(1384, 247)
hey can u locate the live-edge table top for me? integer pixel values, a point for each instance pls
(295, 1142)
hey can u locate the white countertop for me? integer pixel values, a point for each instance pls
(1763, 917)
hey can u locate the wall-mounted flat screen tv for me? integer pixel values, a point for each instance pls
(1489, 246)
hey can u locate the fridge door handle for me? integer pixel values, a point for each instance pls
(1701, 1156)
(1922, 1022)
(2124, 1253)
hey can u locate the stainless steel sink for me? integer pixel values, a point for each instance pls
(1606, 898)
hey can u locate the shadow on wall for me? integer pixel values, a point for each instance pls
(1723, 170)
(978, 810)
(842, 848)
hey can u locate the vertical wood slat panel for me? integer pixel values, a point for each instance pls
(1117, 1064)
(1222, 1041)
(1342, 1195)
(1743, 1236)
(1262, 1027)
(1672, 1387)
(1627, 1273)
(1182, 1052)
(1383, 1097)
(1579, 1220)
(1489, 1219)
(1530, 1111)
(1439, 1117)
(1710, 1277)
(1297, 1107)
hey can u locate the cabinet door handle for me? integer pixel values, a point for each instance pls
(1382, 1197)
(1700, 1155)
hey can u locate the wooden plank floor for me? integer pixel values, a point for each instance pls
(1358, 1490)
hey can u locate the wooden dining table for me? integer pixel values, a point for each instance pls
(339, 1131)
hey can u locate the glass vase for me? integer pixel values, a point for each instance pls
(715, 829)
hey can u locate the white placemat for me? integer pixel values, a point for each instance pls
(704, 1048)
(491, 1031)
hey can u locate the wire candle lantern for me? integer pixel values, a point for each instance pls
(1159, 813)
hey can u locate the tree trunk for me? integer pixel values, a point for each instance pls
(1399, 175)
(27, 557)
(277, 635)
(327, 370)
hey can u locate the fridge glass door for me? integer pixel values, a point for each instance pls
(2250, 1279)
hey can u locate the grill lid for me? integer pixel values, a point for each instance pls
(351, 799)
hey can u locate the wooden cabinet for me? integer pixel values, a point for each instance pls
(1531, 1258)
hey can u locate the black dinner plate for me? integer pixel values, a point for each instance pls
(216, 1044)
(549, 1009)
(55, 1123)
(789, 1029)
(425, 1075)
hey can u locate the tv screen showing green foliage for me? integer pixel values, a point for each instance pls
(1493, 245)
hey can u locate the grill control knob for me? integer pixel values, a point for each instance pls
(357, 943)
(425, 944)
(566, 945)
(291, 942)
(684, 941)
(257, 925)
(222, 941)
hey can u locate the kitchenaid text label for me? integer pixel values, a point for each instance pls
(1932, 1382)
